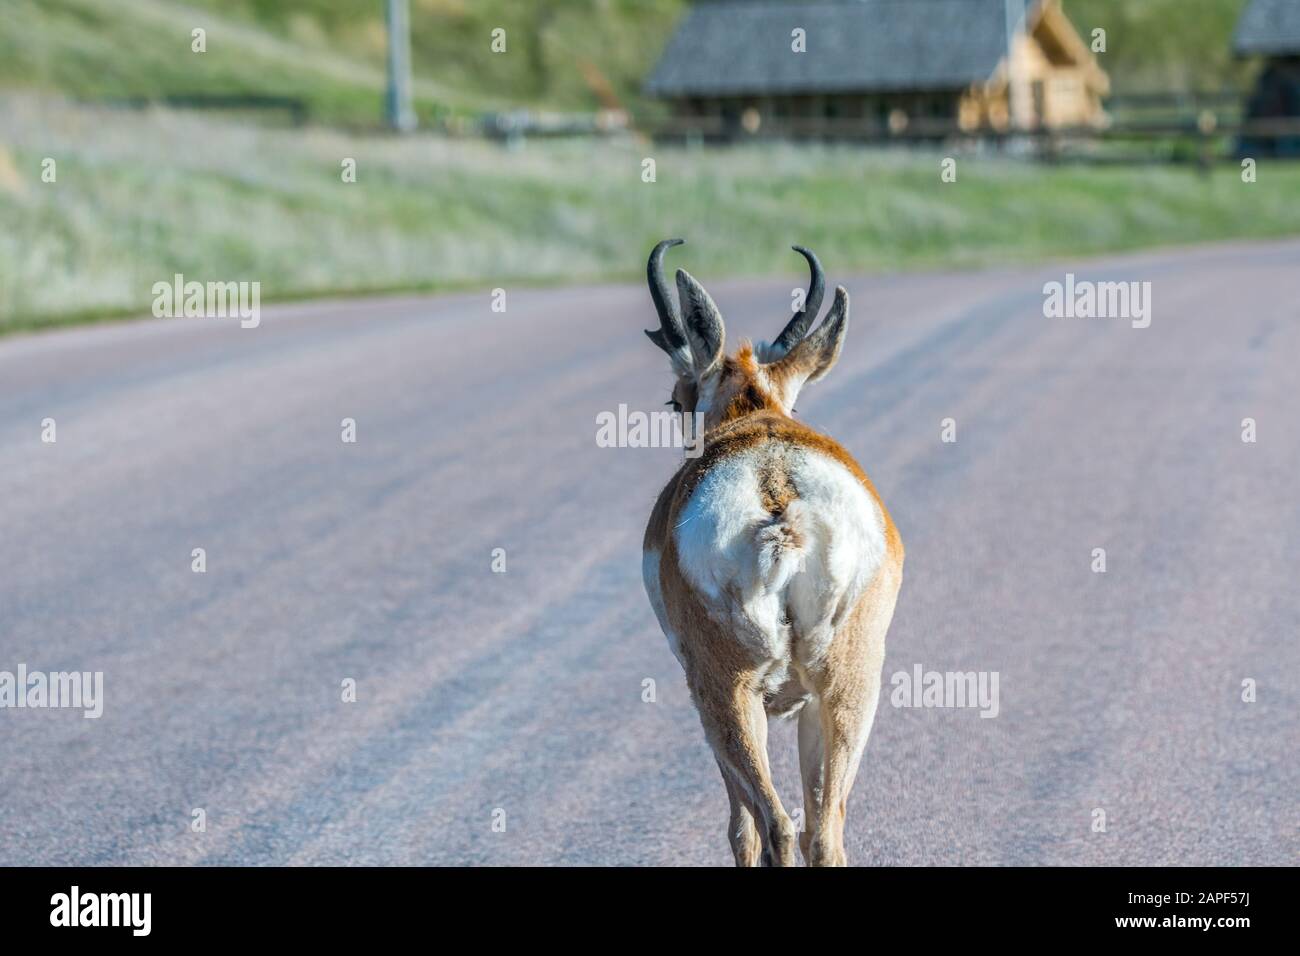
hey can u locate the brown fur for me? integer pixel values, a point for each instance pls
(725, 680)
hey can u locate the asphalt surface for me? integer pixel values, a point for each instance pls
(486, 698)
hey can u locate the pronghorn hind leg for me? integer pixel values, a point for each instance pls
(846, 683)
(737, 727)
(741, 831)
(848, 708)
(811, 764)
(779, 833)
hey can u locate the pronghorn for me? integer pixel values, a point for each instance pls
(772, 565)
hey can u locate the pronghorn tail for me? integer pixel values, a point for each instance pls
(781, 545)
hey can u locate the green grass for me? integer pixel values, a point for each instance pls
(141, 196)
(331, 52)
(112, 49)
(548, 42)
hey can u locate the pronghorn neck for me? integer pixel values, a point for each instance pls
(740, 389)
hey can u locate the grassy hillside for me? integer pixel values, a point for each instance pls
(140, 196)
(331, 52)
(561, 54)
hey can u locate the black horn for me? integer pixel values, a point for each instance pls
(798, 326)
(671, 334)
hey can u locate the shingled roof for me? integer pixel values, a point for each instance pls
(743, 46)
(1269, 27)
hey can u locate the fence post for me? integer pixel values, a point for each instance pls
(1206, 124)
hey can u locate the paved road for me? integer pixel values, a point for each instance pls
(517, 696)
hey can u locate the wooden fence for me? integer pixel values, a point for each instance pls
(1197, 128)
(1202, 139)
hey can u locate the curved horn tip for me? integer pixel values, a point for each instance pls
(671, 335)
(815, 268)
(655, 263)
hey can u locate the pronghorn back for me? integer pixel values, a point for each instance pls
(777, 524)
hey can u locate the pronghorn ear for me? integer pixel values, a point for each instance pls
(814, 355)
(703, 321)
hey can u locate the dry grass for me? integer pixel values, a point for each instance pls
(143, 195)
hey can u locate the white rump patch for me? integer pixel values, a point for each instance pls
(812, 562)
(845, 550)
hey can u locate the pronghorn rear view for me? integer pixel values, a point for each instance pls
(772, 565)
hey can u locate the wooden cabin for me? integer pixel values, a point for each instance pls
(1270, 30)
(883, 65)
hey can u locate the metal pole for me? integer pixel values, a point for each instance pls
(401, 116)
